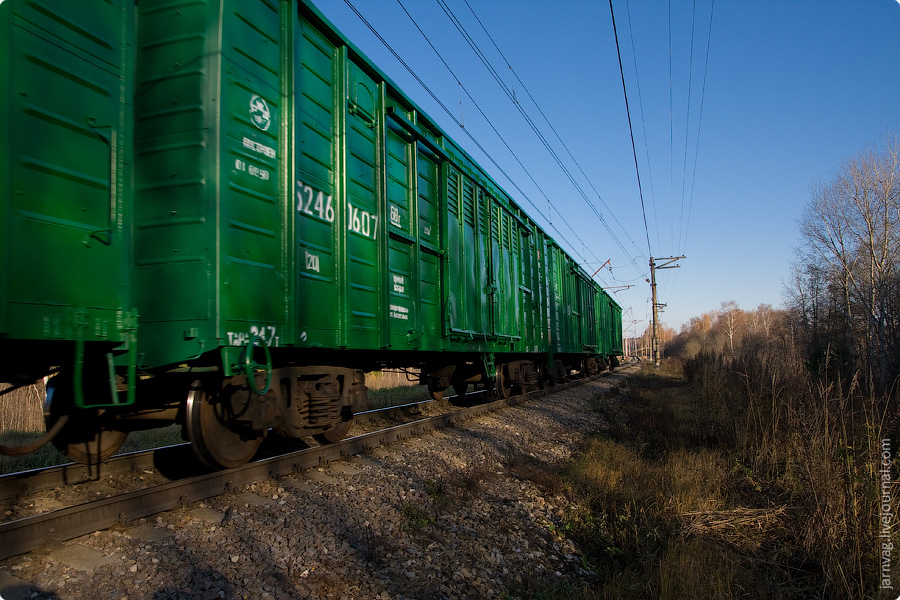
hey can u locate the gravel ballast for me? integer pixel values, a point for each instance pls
(439, 516)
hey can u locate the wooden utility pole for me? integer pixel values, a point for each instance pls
(666, 264)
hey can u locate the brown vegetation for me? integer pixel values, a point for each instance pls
(810, 393)
(844, 295)
(22, 409)
(808, 441)
(733, 482)
(752, 465)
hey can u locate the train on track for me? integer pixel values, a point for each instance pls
(221, 213)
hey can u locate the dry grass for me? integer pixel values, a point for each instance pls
(381, 380)
(22, 409)
(691, 569)
(812, 441)
(393, 388)
(684, 500)
(737, 527)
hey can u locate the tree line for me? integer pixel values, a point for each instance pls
(845, 285)
(841, 318)
(807, 395)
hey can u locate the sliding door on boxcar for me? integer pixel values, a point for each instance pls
(413, 198)
(339, 292)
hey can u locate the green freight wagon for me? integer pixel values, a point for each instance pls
(66, 160)
(221, 213)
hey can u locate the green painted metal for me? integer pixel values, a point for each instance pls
(489, 363)
(65, 167)
(403, 293)
(6, 154)
(212, 183)
(483, 267)
(237, 173)
(67, 145)
(174, 245)
(362, 210)
(319, 272)
(430, 251)
(251, 366)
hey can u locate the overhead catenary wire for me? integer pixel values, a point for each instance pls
(442, 105)
(508, 147)
(546, 119)
(699, 122)
(687, 122)
(671, 125)
(474, 46)
(681, 212)
(637, 81)
(682, 221)
(449, 113)
(684, 234)
(630, 129)
(670, 281)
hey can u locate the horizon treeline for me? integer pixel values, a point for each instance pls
(841, 313)
(807, 395)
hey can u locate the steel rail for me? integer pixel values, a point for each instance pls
(21, 483)
(23, 535)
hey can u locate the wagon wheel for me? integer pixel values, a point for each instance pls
(86, 438)
(208, 426)
(437, 393)
(85, 441)
(502, 385)
(335, 433)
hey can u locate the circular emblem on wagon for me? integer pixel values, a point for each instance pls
(259, 113)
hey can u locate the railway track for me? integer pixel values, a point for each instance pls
(25, 534)
(174, 460)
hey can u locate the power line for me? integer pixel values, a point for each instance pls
(687, 222)
(700, 119)
(502, 139)
(630, 128)
(637, 80)
(466, 131)
(671, 119)
(506, 89)
(509, 94)
(687, 122)
(549, 124)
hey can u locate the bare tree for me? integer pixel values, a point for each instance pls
(851, 233)
(761, 320)
(825, 230)
(731, 323)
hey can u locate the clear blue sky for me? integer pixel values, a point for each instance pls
(791, 88)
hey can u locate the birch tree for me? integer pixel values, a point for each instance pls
(851, 231)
